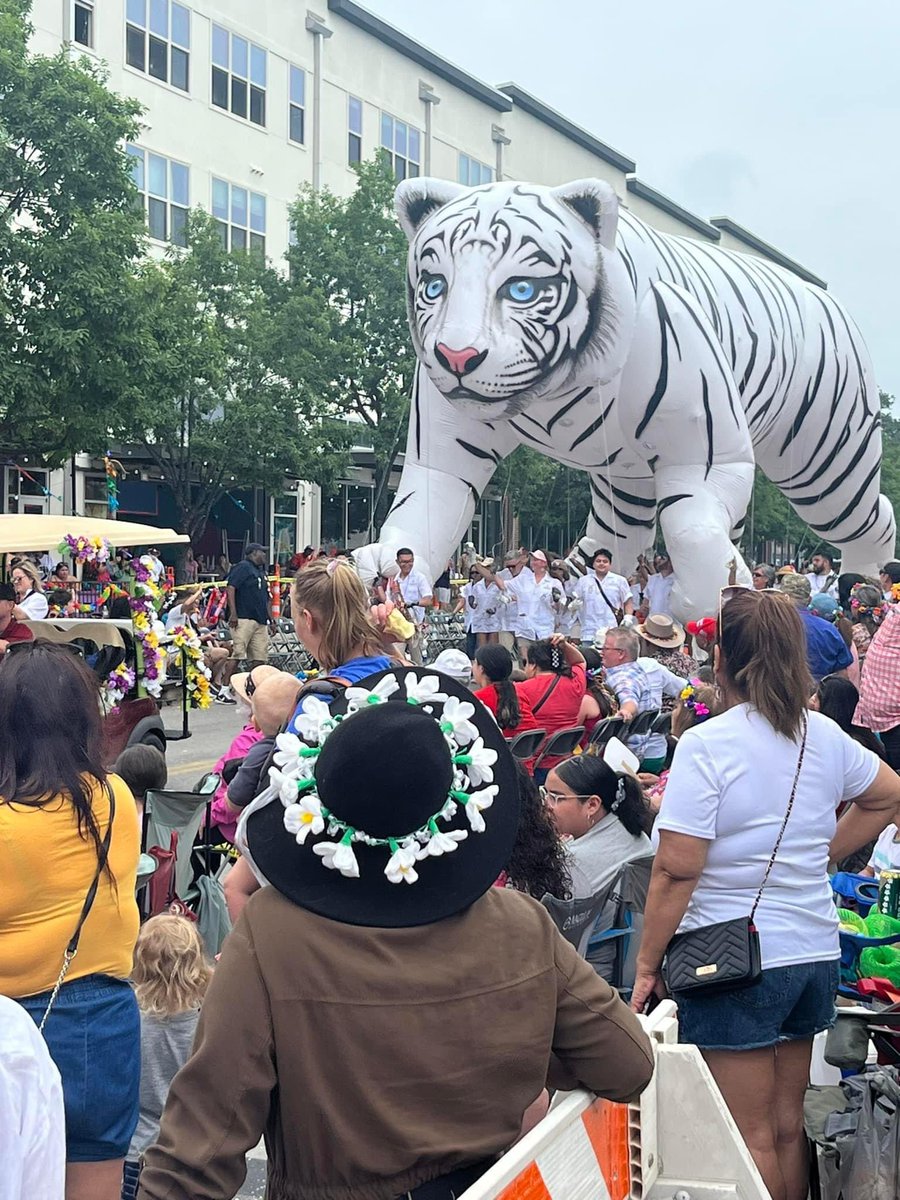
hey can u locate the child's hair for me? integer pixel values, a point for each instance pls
(59, 597)
(170, 972)
(332, 590)
(273, 702)
(143, 768)
(703, 702)
(496, 662)
(546, 656)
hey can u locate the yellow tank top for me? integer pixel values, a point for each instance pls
(46, 868)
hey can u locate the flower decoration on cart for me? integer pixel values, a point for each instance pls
(118, 684)
(84, 549)
(197, 674)
(472, 785)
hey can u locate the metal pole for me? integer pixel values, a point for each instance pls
(320, 32)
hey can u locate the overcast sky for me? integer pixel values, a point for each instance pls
(781, 114)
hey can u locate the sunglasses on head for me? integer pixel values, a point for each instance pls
(250, 687)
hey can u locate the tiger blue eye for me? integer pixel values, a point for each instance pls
(521, 290)
(435, 287)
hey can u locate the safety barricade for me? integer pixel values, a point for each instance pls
(678, 1139)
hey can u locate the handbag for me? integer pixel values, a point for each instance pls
(618, 613)
(72, 948)
(725, 956)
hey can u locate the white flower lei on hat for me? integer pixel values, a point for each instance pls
(293, 777)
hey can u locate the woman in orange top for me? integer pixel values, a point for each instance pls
(56, 805)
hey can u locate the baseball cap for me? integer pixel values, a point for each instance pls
(8, 592)
(455, 664)
(796, 586)
(253, 547)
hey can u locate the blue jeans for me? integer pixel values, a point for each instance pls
(788, 1004)
(93, 1034)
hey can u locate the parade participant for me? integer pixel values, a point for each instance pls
(487, 611)
(826, 652)
(405, 966)
(823, 577)
(416, 592)
(491, 672)
(605, 597)
(12, 631)
(60, 576)
(249, 607)
(154, 564)
(515, 582)
(763, 577)
(69, 844)
(467, 604)
(730, 848)
(539, 606)
(31, 602)
(657, 586)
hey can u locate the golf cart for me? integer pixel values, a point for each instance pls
(133, 715)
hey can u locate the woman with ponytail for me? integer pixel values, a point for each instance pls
(751, 792)
(605, 820)
(554, 688)
(491, 671)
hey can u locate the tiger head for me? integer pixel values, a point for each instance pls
(514, 291)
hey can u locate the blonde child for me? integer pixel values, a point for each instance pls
(170, 978)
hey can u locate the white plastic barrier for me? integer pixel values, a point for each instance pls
(678, 1141)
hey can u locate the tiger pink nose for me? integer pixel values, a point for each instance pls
(460, 362)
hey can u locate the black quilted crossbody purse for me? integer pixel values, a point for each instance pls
(725, 956)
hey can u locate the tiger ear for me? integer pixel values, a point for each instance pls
(596, 202)
(416, 199)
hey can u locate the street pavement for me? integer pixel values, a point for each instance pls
(211, 732)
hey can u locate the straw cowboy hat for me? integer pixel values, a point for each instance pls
(662, 631)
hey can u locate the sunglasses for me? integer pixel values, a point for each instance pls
(251, 686)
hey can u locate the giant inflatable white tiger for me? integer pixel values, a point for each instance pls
(661, 366)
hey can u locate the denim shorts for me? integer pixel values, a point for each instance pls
(93, 1034)
(788, 1004)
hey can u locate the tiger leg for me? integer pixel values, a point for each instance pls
(621, 519)
(681, 412)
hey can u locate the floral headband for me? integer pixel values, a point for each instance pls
(895, 593)
(876, 611)
(304, 813)
(688, 696)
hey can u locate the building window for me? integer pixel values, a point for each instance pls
(158, 40)
(284, 527)
(164, 187)
(240, 215)
(297, 106)
(83, 22)
(474, 173)
(27, 493)
(403, 143)
(354, 125)
(96, 499)
(238, 76)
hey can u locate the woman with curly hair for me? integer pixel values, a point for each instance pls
(538, 864)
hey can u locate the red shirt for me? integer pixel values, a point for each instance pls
(527, 720)
(15, 631)
(560, 709)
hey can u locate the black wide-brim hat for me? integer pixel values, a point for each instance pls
(386, 769)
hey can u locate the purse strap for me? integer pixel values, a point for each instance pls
(615, 611)
(784, 822)
(72, 947)
(546, 696)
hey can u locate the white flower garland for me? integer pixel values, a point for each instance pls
(293, 776)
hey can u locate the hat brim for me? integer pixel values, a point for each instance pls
(672, 643)
(446, 885)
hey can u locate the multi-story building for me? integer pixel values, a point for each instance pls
(244, 103)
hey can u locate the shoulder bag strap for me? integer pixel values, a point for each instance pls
(615, 611)
(72, 947)
(546, 696)
(783, 823)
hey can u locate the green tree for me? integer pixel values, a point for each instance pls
(232, 390)
(69, 231)
(352, 251)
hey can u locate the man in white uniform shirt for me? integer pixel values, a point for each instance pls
(516, 580)
(602, 593)
(823, 577)
(417, 596)
(658, 588)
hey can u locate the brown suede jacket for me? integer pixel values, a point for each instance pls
(375, 1059)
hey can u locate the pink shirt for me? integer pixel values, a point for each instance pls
(221, 814)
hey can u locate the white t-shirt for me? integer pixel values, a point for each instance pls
(516, 619)
(658, 594)
(886, 854)
(32, 1120)
(729, 785)
(35, 606)
(537, 611)
(597, 613)
(825, 584)
(413, 588)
